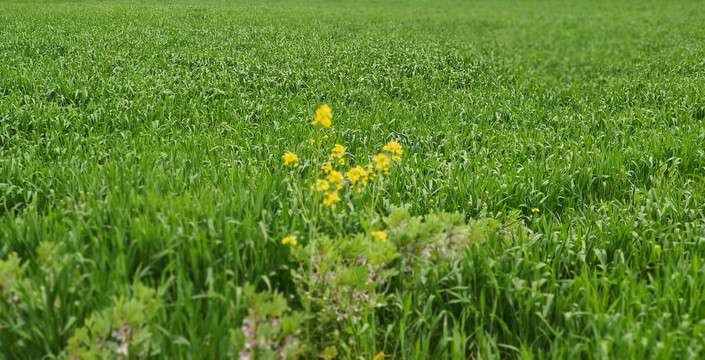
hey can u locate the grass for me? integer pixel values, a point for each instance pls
(146, 139)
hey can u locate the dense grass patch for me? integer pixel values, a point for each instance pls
(142, 143)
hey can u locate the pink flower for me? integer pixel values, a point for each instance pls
(248, 331)
(252, 344)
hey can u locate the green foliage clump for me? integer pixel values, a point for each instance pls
(124, 330)
(12, 282)
(270, 330)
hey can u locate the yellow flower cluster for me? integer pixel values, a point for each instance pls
(321, 185)
(323, 116)
(357, 176)
(333, 178)
(290, 159)
(291, 239)
(394, 149)
(330, 198)
(391, 150)
(381, 162)
(336, 178)
(337, 152)
(380, 235)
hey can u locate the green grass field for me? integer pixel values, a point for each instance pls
(142, 185)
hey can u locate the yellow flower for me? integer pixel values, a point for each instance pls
(355, 174)
(381, 161)
(323, 116)
(393, 147)
(331, 198)
(338, 151)
(312, 141)
(381, 235)
(291, 159)
(327, 168)
(534, 210)
(335, 177)
(321, 185)
(291, 239)
(371, 174)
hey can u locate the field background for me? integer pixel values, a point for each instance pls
(146, 137)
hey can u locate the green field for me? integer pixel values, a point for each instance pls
(549, 201)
